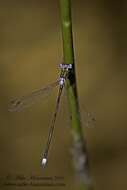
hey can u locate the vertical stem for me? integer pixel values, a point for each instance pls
(68, 58)
(79, 145)
(66, 22)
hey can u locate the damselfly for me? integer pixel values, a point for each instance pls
(25, 101)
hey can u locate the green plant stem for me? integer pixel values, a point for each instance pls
(68, 58)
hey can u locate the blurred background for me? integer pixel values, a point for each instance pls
(30, 52)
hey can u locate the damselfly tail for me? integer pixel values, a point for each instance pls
(51, 129)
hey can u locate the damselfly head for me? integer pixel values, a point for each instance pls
(65, 66)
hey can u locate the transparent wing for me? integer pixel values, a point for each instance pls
(87, 118)
(25, 101)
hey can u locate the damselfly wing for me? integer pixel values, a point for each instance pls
(19, 104)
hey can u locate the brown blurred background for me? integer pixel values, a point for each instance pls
(30, 51)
